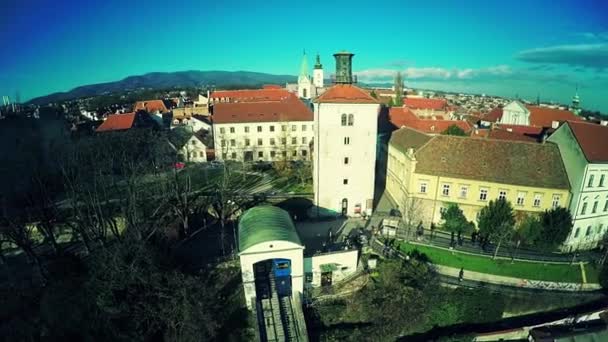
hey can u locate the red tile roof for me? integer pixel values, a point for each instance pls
(251, 95)
(345, 93)
(403, 116)
(151, 106)
(272, 86)
(494, 115)
(502, 134)
(290, 109)
(117, 122)
(544, 117)
(592, 139)
(424, 103)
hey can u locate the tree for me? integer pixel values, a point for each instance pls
(455, 221)
(556, 225)
(529, 231)
(496, 222)
(398, 89)
(454, 130)
(373, 94)
(411, 213)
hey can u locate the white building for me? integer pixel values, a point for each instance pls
(308, 87)
(304, 82)
(583, 149)
(345, 119)
(317, 73)
(189, 147)
(515, 113)
(263, 130)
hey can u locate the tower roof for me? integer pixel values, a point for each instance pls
(345, 93)
(318, 64)
(304, 66)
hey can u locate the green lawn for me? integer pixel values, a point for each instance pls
(519, 269)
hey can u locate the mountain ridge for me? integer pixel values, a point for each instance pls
(159, 80)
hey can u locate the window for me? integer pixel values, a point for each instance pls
(294, 140)
(284, 141)
(537, 198)
(602, 177)
(284, 128)
(345, 181)
(294, 128)
(231, 129)
(590, 183)
(502, 195)
(446, 190)
(599, 229)
(606, 206)
(201, 154)
(423, 186)
(588, 231)
(223, 143)
(233, 155)
(555, 201)
(232, 142)
(303, 128)
(584, 208)
(520, 198)
(260, 154)
(303, 140)
(346, 160)
(271, 141)
(351, 119)
(343, 119)
(294, 153)
(483, 194)
(304, 153)
(222, 130)
(247, 142)
(259, 142)
(272, 128)
(284, 153)
(578, 230)
(272, 154)
(246, 129)
(463, 191)
(594, 209)
(224, 156)
(259, 128)
(346, 140)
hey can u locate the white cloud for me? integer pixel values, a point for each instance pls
(432, 73)
(585, 55)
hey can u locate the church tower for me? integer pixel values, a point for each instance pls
(317, 74)
(304, 82)
(576, 104)
(344, 151)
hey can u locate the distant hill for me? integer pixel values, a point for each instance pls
(161, 80)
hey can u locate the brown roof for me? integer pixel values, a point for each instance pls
(290, 109)
(151, 106)
(405, 138)
(494, 115)
(117, 122)
(424, 103)
(498, 161)
(503, 134)
(250, 95)
(544, 116)
(345, 93)
(593, 140)
(403, 116)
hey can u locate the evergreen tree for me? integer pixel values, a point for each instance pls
(455, 221)
(496, 222)
(398, 89)
(454, 130)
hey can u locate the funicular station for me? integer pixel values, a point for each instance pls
(275, 271)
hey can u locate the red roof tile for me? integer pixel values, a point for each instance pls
(592, 139)
(544, 117)
(272, 86)
(117, 122)
(345, 93)
(494, 115)
(502, 134)
(424, 103)
(290, 109)
(150, 106)
(251, 95)
(403, 116)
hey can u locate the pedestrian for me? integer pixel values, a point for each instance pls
(432, 230)
(473, 237)
(461, 274)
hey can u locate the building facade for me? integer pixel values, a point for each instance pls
(346, 120)
(515, 113)
(263, 131)
(583, 149)
(426, 173)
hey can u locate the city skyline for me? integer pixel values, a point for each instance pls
(521, 49)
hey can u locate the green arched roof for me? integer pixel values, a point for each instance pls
(266, 223)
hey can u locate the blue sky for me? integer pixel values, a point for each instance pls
(497, 47)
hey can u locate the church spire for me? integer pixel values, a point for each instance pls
(318, 64)
(304, 66)
(576, 103)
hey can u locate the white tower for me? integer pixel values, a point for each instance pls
(346, 124)
(317, 73)
(304, 83)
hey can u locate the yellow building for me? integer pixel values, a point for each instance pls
(425, 173)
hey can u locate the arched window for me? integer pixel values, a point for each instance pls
(351, 119)
(343, 119)
(304, 92)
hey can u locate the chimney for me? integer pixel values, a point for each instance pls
(554, 124)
